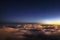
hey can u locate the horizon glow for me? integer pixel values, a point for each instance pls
(52, 21)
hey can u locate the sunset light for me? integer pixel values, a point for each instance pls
(57, 23)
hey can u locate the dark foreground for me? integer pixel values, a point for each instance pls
(29, 32)
(38, 37)
(18, 35)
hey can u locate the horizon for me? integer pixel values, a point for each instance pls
(30, 11)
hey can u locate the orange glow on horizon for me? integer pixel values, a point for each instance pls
(57, 23)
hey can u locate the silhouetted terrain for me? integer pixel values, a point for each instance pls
(17, 33)
(36, 35)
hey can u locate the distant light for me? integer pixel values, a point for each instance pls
(52, 21)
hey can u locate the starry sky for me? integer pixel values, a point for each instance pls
(29, 10)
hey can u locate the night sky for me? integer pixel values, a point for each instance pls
(30, 10)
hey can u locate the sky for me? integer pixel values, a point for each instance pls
(30, 10)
